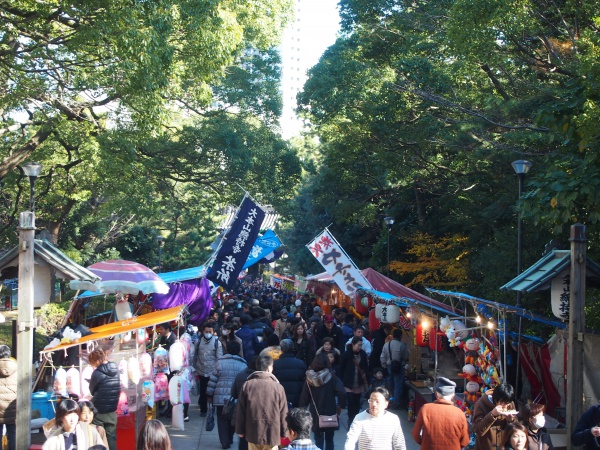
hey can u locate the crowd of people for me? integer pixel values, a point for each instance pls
(290, 370)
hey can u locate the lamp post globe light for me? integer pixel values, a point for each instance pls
(389, 221)
(521, 167)
(25, 319)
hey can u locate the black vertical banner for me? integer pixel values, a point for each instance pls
(237, 244)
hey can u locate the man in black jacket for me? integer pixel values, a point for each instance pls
(290, 371)
(105, 388)
(330, 329)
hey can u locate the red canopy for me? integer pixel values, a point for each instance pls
(382, 283)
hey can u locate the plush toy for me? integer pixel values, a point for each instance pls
(471, 347)
(445, 324)
(451, 335)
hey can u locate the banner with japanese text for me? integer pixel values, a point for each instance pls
(337, 263)
(265, 244)
(236, 245)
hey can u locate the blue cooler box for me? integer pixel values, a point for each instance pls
(43, 402)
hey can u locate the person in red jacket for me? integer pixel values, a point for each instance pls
(441, 425)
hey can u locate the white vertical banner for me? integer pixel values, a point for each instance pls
(337, 263)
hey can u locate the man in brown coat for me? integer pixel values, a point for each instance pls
(8, 394)
(491, 415)
(262, 408)
(441, 425)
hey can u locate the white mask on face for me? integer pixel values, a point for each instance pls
(225, 332)
(539, 422)
(207, 336)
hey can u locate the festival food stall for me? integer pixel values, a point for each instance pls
(142, 371)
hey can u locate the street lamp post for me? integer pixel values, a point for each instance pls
(521, 167)
(25, 316)
(389, 221)
(160, 240)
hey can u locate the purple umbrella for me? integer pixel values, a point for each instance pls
(123, 276)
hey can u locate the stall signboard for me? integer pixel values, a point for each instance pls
(560, 294)
(337, 263)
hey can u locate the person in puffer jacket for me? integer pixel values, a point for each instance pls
(8, 394)
(105, 388)
(219, 388)
(208, 351)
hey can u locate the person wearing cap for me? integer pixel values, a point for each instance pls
(281, 324)
(441, 425)
(331, 330)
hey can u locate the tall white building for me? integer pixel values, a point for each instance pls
(304, 41)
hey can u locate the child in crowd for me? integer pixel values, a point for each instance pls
(299, 424)
(379, 379)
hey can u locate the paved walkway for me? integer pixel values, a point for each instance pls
(195, 436)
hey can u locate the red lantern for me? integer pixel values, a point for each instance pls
(421, 336)
(362, 305)
(436, 340)
(373, 321)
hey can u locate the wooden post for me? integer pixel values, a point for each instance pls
(576, 329)
(25, 328)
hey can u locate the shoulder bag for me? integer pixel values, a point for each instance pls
(324, 421)
(396, 365)
(362, 374)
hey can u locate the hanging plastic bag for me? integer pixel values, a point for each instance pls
(142, 336)
(148, 393)
(161, 387)
(123, 374)
(74, 382)
(60, 383)
(210, 418)
(176, 387)
(145, 365)
(86, 375)
(161, 360)
(123, 405)
(176, 356)
(133, 369)
(177, 417)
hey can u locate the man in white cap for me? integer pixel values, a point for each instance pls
(441, 424)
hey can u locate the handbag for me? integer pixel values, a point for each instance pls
(229, 409)
(210, 419)
(324, 421)
(396, 365)
(362, 375)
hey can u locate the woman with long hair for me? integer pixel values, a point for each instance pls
(354, 367)
(71, 434)
(319, 393)
(154, 436)
(301, 342)
(228, 335)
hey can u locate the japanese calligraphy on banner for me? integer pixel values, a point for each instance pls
(560, 294)
(237, 244)
(337, 263)
(265, 244)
